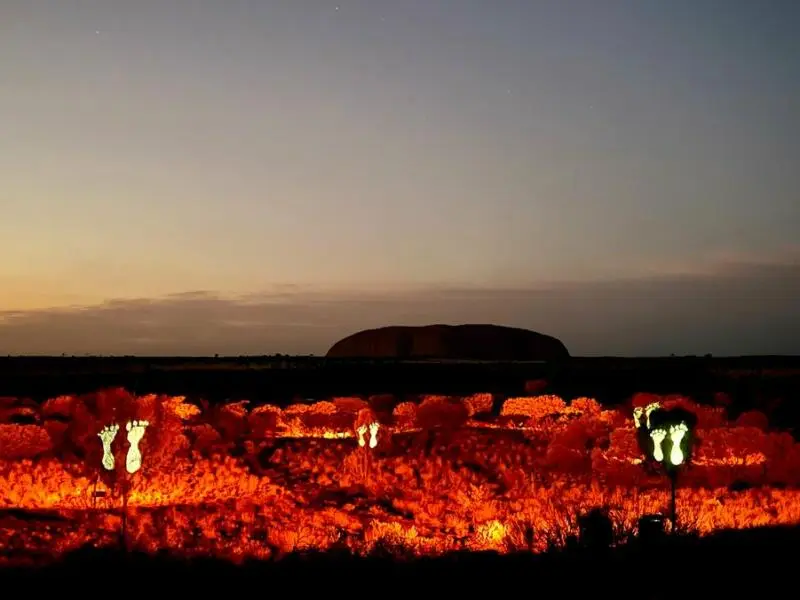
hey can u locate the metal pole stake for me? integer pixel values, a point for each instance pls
(673, 478)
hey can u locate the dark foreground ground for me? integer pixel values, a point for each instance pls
(735, 564)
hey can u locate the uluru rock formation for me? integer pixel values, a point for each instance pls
(464, 342)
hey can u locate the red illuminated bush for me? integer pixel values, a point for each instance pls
(59, 407)
(441, 412)
(23, 441)
(318, 415)
(382, 404)
(231, 420)
(588, 407)
(535, 407)
(570, 448)
(404, 415)
(569, 460)
(753, 418)
(643, 399)
(620, 463)
(478, 404)
(165, 440)
(266, 421)
(205, 440)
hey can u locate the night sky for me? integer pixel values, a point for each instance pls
(263, 176)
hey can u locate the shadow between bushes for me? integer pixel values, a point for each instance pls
(728, 563)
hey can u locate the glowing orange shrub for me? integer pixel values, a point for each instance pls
(436, 399)
(230, 420)
(266, 421)
(586, 406)
(166, 440)
(205, 439)
(320, 419)
(478, 404)
(536, 407)
(404, 415)
(296, 409)
(316, 416)
(569, 449)
(615, 419)
(179, 407)
(620, 463)
(293, 415)
(322, 408)
(730, 445)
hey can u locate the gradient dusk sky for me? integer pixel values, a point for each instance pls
(262, 176)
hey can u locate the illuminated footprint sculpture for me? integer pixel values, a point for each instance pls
(133, 461)
(666, 438)
(362, 432)
(676, 435)
(373, 429)
(107, 435)
(664, 434)
(373, 434)
(658, 436)
(367, 421)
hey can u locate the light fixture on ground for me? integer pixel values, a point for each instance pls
(666, 439)
(367, 429)
(651, 528)
(361, 434)
(133, 459)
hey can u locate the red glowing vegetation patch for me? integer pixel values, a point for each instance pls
(238, 481)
